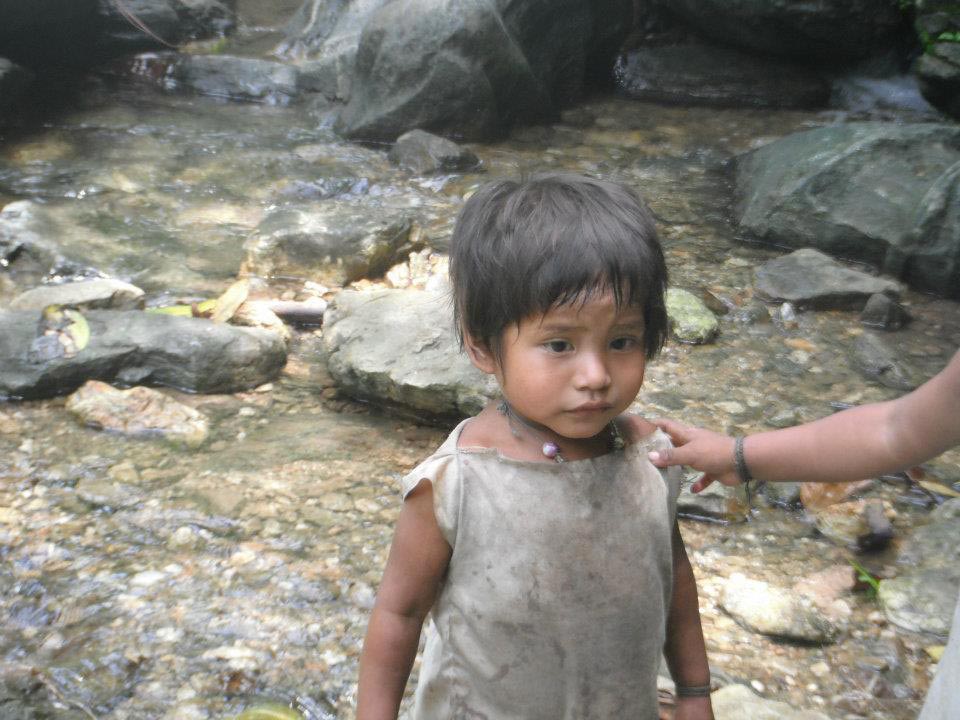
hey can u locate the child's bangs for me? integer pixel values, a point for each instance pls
(578, 269)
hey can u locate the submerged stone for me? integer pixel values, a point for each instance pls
(690, 319)
(138, 411)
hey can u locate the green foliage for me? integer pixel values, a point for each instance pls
(953, 37)
(864, 576)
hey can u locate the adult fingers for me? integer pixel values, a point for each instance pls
(702, 484)
(678, 432)
(668, 456)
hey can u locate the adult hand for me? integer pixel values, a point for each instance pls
(709, 452)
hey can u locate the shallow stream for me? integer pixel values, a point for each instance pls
(144, 580)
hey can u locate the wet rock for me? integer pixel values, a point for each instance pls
(861, 524)
(701, 74)
(397, 347)
(782, 493)
(714, 502)
(28, 251)
(138, 411)
(938, 69)
(72, 34)
(826, 588)
(102, 293)
(238, 78)
(782, 28)
(853, 191)
(105, 493)
(736, 702)
(424, 153)
(254, 313)
(881, 311)
(444, 67)
(690, 319)
(879, 362)
(810, 279)
(922, 598)
(772, 611)
(336, 243)
(475, 69)
(753, 313)
(142, 348)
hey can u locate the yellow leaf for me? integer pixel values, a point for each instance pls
(232, 299)
(935, 651)
(183, 310)
(938, 488)
(78, 329)
(270, 711)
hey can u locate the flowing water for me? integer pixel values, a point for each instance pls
(145, 580)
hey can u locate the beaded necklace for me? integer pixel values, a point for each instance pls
(549, 448)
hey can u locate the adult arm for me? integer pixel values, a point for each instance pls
(684, 648)
(850, 445)
(415, 568)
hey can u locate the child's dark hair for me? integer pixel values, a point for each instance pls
(524, 247)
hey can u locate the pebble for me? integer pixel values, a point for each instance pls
(147, 578)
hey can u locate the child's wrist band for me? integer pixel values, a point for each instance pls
(692, 691)
(743, 472)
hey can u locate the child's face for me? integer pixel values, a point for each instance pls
(574, 368)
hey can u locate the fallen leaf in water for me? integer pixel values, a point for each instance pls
(935, 651)
(230, 301)
(939, 489)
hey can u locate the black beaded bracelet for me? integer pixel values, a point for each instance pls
(692, 691)
(743, 472)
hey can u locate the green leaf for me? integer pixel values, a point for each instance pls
(78, 329)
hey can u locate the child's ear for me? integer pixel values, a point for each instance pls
(480, 355)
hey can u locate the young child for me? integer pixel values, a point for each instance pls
(539, 536)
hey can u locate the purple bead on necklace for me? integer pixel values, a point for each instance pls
(552, 451)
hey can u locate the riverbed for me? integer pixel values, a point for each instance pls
(145, 580)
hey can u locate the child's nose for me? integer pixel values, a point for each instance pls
(592, 372)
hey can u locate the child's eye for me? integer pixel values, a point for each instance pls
(558, 346)
(624, 343)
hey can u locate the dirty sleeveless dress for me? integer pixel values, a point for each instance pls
(555, 601)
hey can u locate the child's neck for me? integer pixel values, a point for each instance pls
(550, 448)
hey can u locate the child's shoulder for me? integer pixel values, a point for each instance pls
(635, 428)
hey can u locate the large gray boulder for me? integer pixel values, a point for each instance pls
(880, 193)
(238, 78)
(79, 32)
(694, 73)
(827, 30)
(397, 348)
(137, 348)
(491, 50)
(471, 68)
(446, 66)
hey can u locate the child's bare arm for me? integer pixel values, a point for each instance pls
(850, 445)
(684, 648)
(416, 565)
